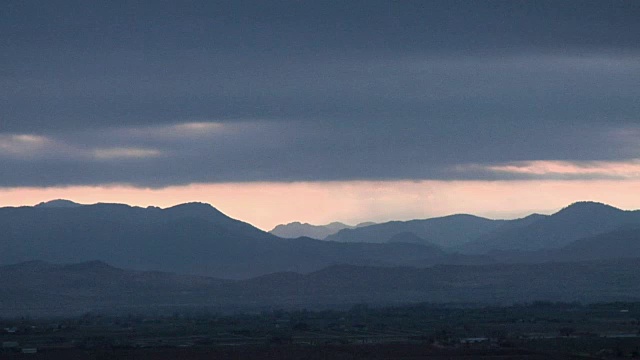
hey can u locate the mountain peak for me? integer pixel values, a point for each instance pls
(297, 229)
(193, 204)
(58, 203)
(195, 209)
(588, 207)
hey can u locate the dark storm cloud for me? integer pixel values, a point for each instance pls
(103, 92)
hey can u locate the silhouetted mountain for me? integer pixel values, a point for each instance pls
(445, 231)
(191, 238)
(198, 239)
(46, 289)
(296, 229)
(577, 221)
(60, 203)
(529, 239)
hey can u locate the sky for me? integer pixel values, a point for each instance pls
(280, 111)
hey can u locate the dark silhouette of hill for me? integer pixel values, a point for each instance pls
(296, 229)
(474, 235)
(577, 221)
(60, 203)
(196, 238)
(190, 238)
(38, 288)
(447, 231)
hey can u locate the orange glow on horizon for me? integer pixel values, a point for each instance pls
(623, 169)
(268, 204)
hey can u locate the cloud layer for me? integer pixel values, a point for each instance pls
(157, 94)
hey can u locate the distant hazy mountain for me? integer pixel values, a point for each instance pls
(191, 238)
(296, 229)
(577, 221)
(38, 288)
(60, 203)
(475, 235)
(445, 231)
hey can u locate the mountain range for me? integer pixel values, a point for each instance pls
(192, 238)
(197, 239)
(62, 257)
(444, 231)
(44, 289)
(297, 229)
(575, 222)
(470, 234)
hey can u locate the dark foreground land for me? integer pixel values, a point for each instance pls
(379, 351)
(534, 331)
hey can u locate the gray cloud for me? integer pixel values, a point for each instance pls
(262, 150)
(155, 93)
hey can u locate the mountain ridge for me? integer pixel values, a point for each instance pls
(444, 231)
(196, 238)
(576, 221)
(192, 238)
(58, 203)
(297, 229)
(54, 289)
